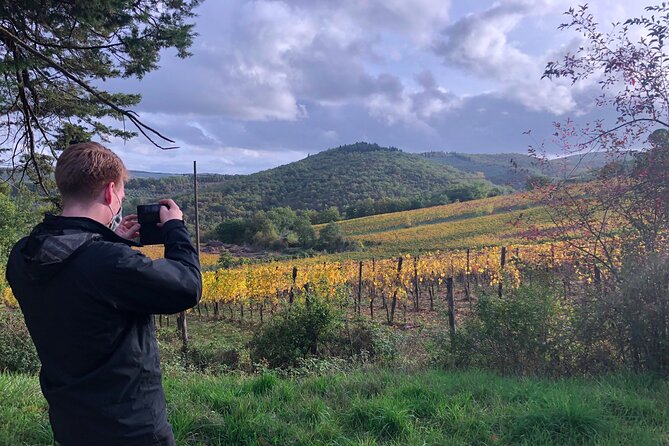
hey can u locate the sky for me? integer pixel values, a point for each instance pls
(270, 82)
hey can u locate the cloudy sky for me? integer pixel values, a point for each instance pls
(271, 81)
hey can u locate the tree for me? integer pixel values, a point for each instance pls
(471, 190)
(328, 215)
(283, 219)
(261, 230)
(306, 235)
(18, 213)
(331, 238)
(232, 231)
(632, 75)
(620, 220)
(52, 57)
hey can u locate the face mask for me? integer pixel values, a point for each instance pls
(116, 219)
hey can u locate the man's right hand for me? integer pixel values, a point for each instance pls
(169, 211)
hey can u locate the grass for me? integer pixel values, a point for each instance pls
(380, 406)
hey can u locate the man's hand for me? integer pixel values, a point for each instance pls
(129, 227)
(169, 211)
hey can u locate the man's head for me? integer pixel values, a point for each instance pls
(88, 175)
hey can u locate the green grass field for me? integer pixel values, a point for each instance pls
(371, 407)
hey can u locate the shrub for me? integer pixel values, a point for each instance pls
(363, 339)
(208, 358)
(640, 306)
(17, 351)
(299, 332)
(519, 333)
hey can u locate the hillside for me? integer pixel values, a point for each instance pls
(510, 169)
(144, 174)
(513, 169)
(346, 177)
(495, 221)
(359, 180)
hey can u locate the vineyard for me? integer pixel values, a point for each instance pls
(435, 214)
(483, 252)
(496, 221)
(380, 287)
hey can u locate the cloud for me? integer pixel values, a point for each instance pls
(432, 98)
(276, 55)
(478, 43)
(271, 81)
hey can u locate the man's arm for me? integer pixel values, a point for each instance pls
(135, 283)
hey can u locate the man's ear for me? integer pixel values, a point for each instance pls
(109, 192)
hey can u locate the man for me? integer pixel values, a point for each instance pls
(87, 299)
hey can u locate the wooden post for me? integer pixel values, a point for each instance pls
(598, 279)
(358, 304)
(501, 271)
(430, 292)
(415, 283)
(181, 319)
(468, 273)
(451, 310)
(291, 294)
(393, 304)
(372, 291)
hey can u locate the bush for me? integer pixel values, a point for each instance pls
(319, 332)
(17, 351)
(299, 332)
(640, 307)
(363, 339)
(208, 358)
(519, 333)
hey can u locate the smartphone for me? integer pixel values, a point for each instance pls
(148, 216)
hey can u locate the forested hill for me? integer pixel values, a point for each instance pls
(514, 169)
(511, 169)
(358, 179)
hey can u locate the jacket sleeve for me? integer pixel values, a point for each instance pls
(165, 286)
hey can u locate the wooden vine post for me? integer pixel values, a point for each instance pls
(182, 324)
(372, 291)
(451, 310)
(291, 294)
(501, 271)
(468, 273)
(415, 284)
(359, 302)
(391, 314)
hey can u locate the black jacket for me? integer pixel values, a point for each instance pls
(87, 299)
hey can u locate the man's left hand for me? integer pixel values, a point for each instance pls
(129, 227)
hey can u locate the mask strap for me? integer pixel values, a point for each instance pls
(112, 212)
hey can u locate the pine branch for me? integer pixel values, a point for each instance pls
(131, 115)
